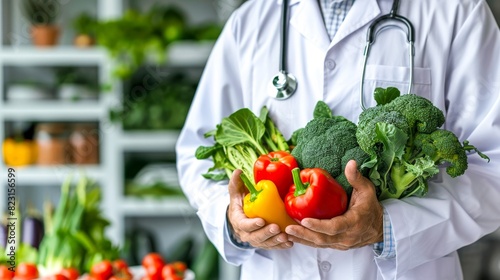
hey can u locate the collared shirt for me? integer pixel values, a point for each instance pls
(334, 13)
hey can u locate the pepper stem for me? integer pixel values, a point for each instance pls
(300, 187)
(250, 186)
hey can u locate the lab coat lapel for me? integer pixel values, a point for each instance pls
(308, 21)
(362, 12)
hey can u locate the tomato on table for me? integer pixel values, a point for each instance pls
(102, 270)
(6, 273)
(26, 271)
(153, 264)
(57, 276)
(120, 264)
(179, 266)
(70, 273)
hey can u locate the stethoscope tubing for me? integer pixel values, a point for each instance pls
(370, 40)
(284, 84)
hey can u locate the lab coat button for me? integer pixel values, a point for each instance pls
(330, 64)
(325, 266)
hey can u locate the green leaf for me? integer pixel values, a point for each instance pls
(215, 176)
(384, 96)
(241, 127)
(203, 152)
(264, 112)
(322, 110)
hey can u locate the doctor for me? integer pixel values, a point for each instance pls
(456, 66)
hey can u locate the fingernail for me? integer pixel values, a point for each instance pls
(273, 230)
(289, 231)
(279, 239)
(288, 244)
(260, 223)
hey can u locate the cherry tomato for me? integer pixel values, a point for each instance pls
(179, 266)
(6, 273)
(173, 277)
(55, 277)
(26, 271)
(167, 271)
(152, 258)
(120, 264)
(102, 270)
(153, 264)
(70, 273)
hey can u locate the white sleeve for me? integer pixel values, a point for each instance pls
(458, 211)
(218, 95)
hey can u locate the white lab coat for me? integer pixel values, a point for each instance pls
(457, 58)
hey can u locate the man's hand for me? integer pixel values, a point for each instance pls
(360, 225)
(254, 231)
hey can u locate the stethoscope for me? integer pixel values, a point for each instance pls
(284, 84)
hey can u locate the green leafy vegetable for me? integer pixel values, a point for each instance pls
(402, 136)
(238, 141)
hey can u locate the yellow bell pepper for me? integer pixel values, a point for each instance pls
(18, 152)
(264, 202)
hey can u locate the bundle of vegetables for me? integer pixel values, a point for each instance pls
(402, 135)
(256, 146)
(74, 233)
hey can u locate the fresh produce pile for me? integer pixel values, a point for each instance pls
(154, 267)
(397, 144)
(71, 237)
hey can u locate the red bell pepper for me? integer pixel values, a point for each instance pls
(277, 167)
(315, 194)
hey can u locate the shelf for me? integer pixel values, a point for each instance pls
(173, 206)
(48, 175)
(62, 55)
(53, 110)
(148, 141)
(189, 54)
(179, 54)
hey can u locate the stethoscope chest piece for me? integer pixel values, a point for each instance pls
(282, 86)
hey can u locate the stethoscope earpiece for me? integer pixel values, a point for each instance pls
(282, 86)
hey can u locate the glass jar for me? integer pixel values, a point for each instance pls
(84, 142)
(52, 143)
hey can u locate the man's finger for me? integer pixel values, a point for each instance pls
(355, 178)
(236, 186)
(250, 225)
(332, 226)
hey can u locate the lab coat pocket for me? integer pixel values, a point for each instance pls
(390, 76)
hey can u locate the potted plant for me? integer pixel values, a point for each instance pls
(84, 26)
(73, 86)
(42, 15)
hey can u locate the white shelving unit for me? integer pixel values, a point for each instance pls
(16, 51)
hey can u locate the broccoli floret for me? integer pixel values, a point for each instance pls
(443, 146)
(360, 157)
(323, 142)
(366, 134)
(420, 113)
(402, 136)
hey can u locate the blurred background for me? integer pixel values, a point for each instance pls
(102, 94)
